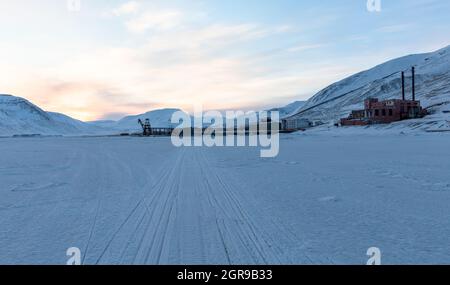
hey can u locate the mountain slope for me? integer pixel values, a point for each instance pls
(289, 109)
(19, 116)
(73, 125)
(158, 119)
(384, 82)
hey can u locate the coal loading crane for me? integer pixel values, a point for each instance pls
(146, 127)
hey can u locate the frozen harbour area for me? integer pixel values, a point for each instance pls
(325, 199)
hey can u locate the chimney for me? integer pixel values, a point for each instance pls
(413, 83)
(403, 85)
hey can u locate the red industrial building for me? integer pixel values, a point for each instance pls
(384, 112)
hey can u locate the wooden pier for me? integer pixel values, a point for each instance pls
(162, 131)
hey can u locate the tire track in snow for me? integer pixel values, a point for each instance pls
(167, 220)
(277, 239)
(128, 217)
(113, 166)
(243, 231)
(239, 238)
(140, 204)
(97, 213)
(154, 226)
(162, 227)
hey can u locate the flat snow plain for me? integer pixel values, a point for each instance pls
(324, 200)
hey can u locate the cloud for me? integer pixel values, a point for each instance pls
(154, 20)
(168, 58)
(171, 59)
(208, 38)
(127, 8)
(394, 28)
(300, 48)
(112, 116)
(172, 68)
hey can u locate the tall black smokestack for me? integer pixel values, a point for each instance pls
(403, 85)
(414, 83)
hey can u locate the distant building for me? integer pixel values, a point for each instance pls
(295, 124)
(318, 123)
(384, 112)
(388, 111)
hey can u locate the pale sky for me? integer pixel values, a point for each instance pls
(113, 58)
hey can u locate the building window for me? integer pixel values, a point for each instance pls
(390, 113)
(383, 112)
(377, 113)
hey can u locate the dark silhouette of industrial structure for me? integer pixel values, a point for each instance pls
(146, 127)
(148, 130)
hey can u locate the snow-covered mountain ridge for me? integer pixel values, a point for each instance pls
(384, 82)
(289, 109)
(18, 116)
(158, 119)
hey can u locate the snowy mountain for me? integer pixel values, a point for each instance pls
(289, 109)
(19, 117)
(384, 82)
(107, 124)
(158, 119)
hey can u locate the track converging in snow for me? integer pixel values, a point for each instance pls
(323, 200)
